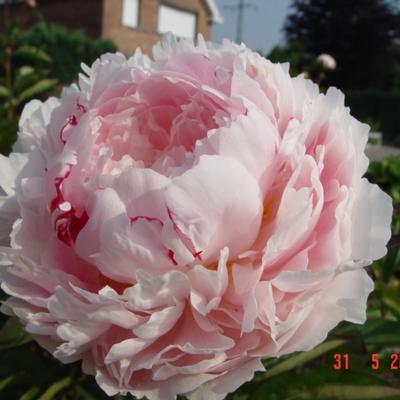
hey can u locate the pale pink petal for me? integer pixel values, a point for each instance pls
(256, 151)
(370, 230)
(103, 206)
(210, 220)
(126, 246)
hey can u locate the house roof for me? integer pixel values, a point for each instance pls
(214, 12)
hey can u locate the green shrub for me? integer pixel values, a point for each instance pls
(68, 49)
(24, 75)
(379, 106)
(293, 53)
(40, 62)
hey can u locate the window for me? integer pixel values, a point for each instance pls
(130, 13)
(180, 22)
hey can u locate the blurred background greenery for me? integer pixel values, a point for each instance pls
(37, 61)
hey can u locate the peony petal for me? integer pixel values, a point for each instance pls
(219, 387)
(371, 231)
(207, 286)
(256, 151)
(125, 247)
(160, 322)
(103, 206)
(205, 214)
(141, 190)
(155, 291)
(33, 123)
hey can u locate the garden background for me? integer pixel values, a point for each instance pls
(363, 36)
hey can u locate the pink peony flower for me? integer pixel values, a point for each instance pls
(172, 222)
(31, 3)
(327, 61)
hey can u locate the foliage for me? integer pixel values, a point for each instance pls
(37, 62)
(67, 48)
(386, 174)
(300, 62)
(8, 134)
(24, 74)
(396, 83)
(377, 105)
(293, 53)
(359, 34)
(28, 372)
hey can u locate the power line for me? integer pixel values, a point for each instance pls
(239, 8)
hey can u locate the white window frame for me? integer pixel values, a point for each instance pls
(126, 14)
(178, 10)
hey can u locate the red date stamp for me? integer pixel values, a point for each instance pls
(341, 361)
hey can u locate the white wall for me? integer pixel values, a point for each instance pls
(181, 23)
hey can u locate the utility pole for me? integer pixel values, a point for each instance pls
(239, 26)
(239, 8)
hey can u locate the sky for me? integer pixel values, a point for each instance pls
(262, 27)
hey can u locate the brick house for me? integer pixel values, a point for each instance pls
(131, 23)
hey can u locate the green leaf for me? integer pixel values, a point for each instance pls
(55, 388)
(346, 329)
(12, 334)
(30, 394)
(25, 76)
(239, 396)
(387, 339)
(387, 299)
(355, 392)
(83, 393)
(4, 92)
(381, 332)
(301, 358)
(8, 133)
(38, 88)
(390, 263)
(25, 70)
(392, 305)
(5, 382)
(33, 53)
